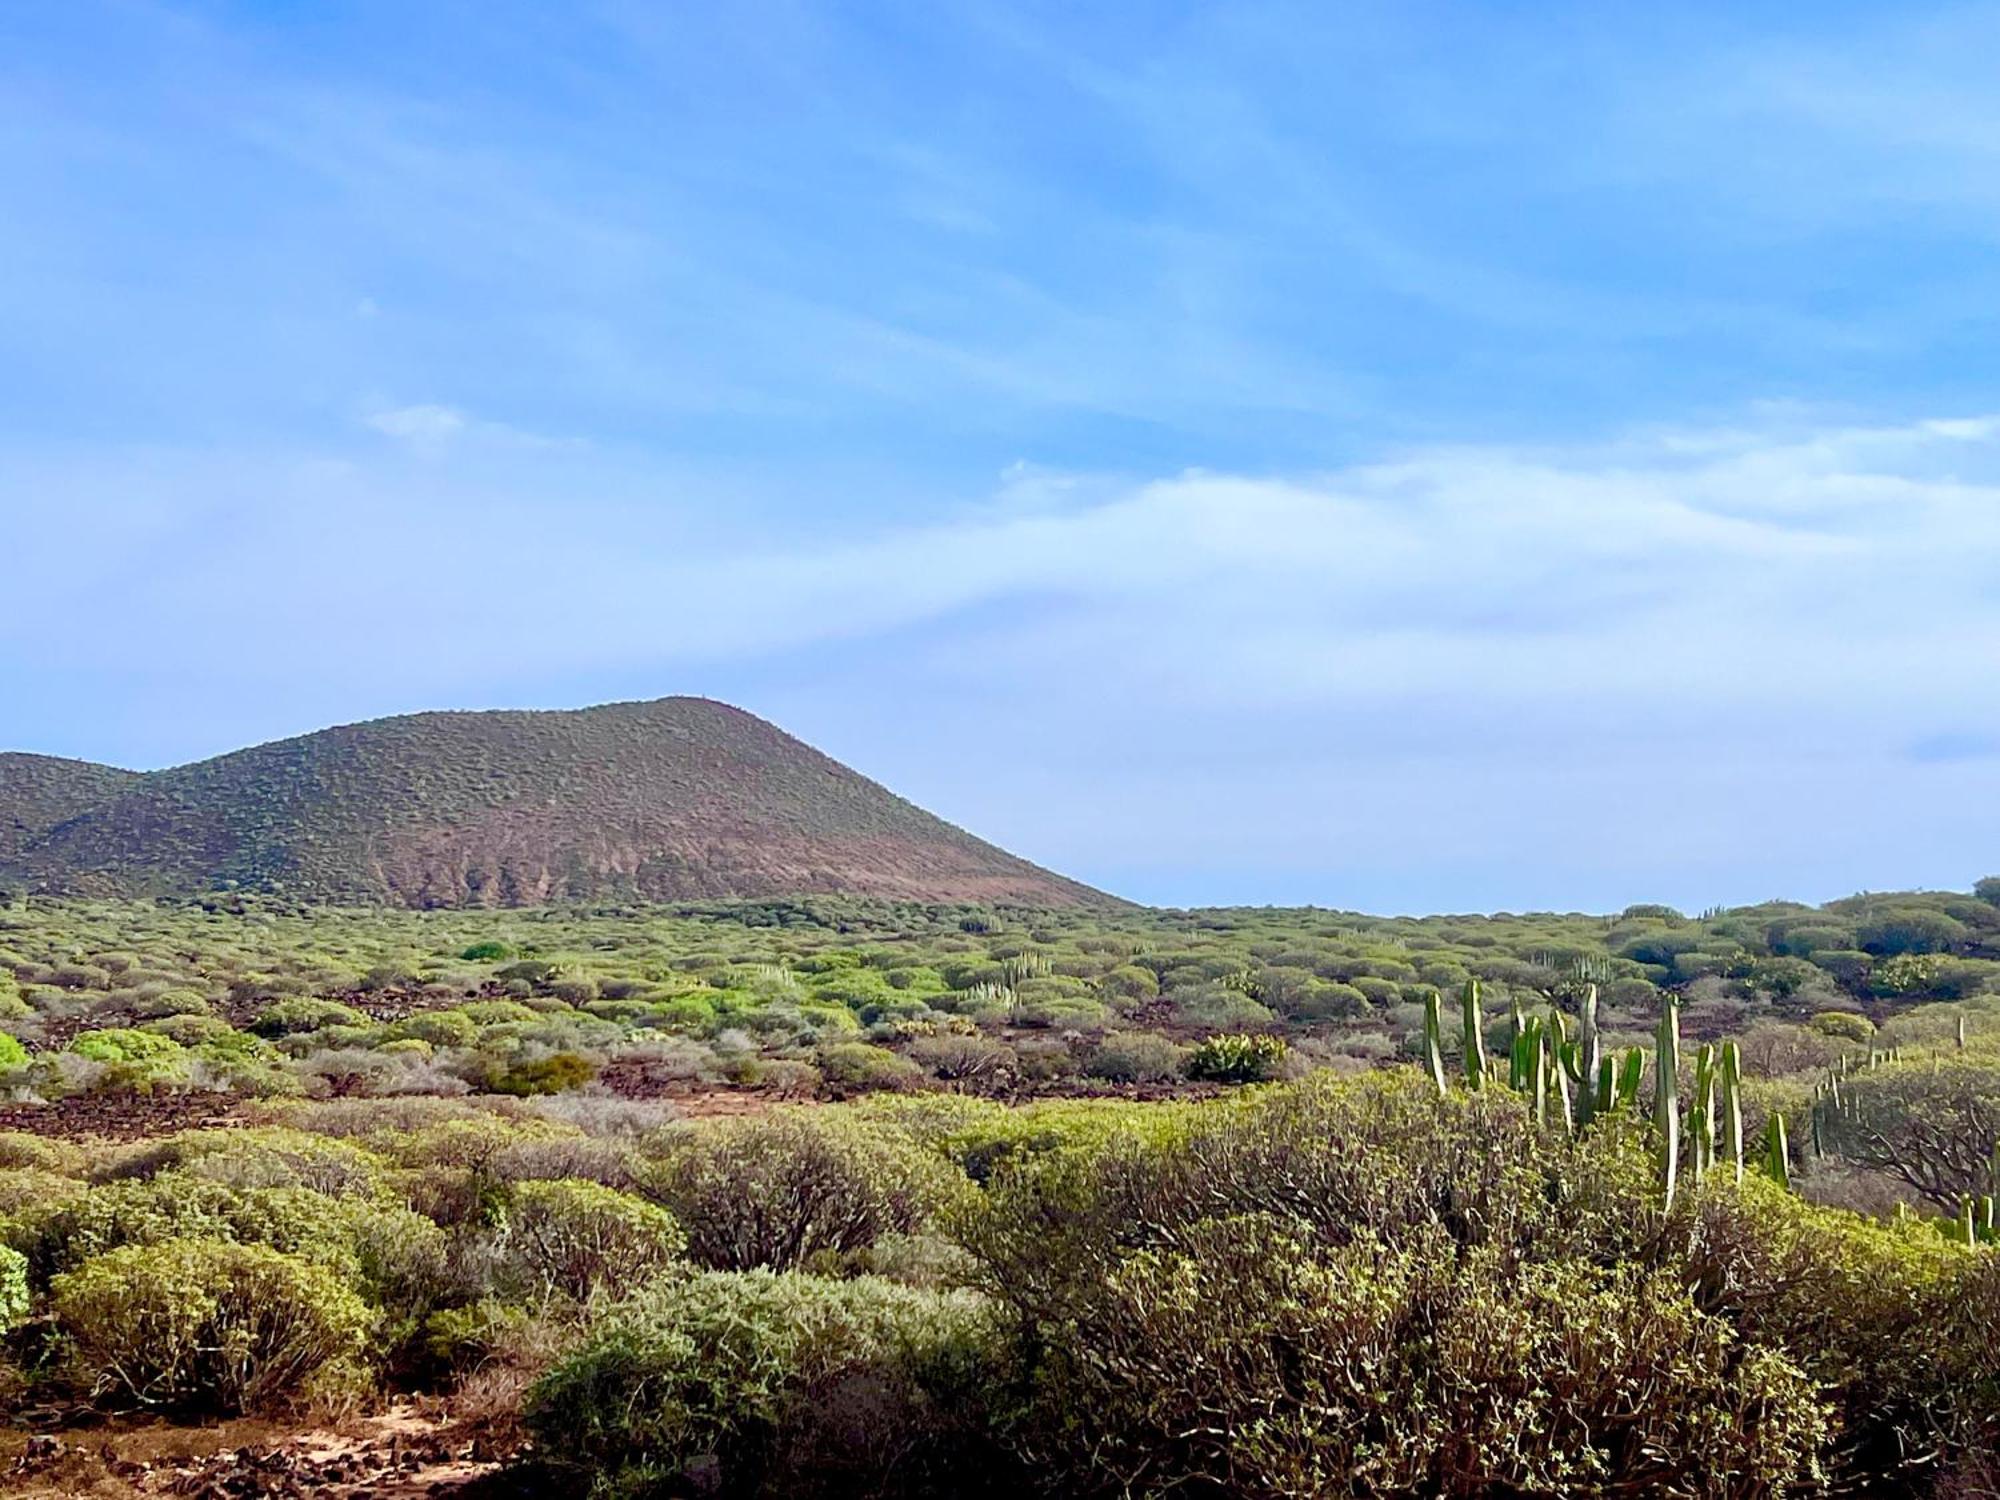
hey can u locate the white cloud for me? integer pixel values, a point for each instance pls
(418, 424)
(1731, 663)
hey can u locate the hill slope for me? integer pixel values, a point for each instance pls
(680, 798)
(38, 792)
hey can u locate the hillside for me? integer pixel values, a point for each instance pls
(37, 792)
(679, 798)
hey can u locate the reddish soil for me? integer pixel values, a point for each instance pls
(120, 1117)
(412, 1450)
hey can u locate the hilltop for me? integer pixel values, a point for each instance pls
(673, 799)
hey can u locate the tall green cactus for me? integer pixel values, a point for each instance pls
(1777, 1152)
(1731, 1077)
(1475, 1037)
(1536, 1040)
(1630, 1074)
(1666, 1096)
(1561, 1057)
(1701, 1120)
(1434, 1041)
(1588, 1058)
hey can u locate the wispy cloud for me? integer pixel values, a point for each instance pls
(418, 424)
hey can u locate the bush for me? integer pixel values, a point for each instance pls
(1136, 1057)
(208, 1326)
(1845, 1025)
(20, 1149)
(119, 1044)
(12, 1053)
(1237, 1059)
(262, 1157)
(761, 1384)
(295, 1017)
(15, 1298)
(1251, 1359)
(576, 1239)
(547, 1075)
(777, 1190)
(857, 1065)
(388, 1251)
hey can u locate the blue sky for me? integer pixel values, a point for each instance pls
(1403, 456)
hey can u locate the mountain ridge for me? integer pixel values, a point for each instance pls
(662, 799)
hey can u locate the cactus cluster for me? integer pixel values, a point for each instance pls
(1570, 1082)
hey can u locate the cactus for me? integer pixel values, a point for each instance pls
(1968, 1231)
(1731, 1080)
(1559, 1061)
(1520, 1065)
(1701, 1119)
(1777, 1152)
(1475, 1038)
(1630, 1074)
(1666, 1095)
(1961, 1031)
(1538, 1072)
(1587, 1058)
(1434, 1041)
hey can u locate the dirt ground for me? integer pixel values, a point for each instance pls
(411, 1451)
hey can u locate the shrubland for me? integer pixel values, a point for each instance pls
(1128, 1203)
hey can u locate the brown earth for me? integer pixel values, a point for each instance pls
(414, 1450)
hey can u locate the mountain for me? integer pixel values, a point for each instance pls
(675, 799)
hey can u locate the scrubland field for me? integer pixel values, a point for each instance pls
(840, 1197)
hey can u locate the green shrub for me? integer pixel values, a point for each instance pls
(440, 1028)
(295, 1017)
(1237, 1059)
(779, 1189)
(545, 1075)
(497, 1012)
(1136, 1057)
(265, 1156)
(1253, 1360)
(15, 1298)
(761, 1384)
(393, 1255)
(12, 1053)
(490, 951)
(172, 1003)
(857, 1065)
(1844, 1025)
(120, 1044)
(20, 1149)
(208, 1326)
(23, 1188)
(577, 1239)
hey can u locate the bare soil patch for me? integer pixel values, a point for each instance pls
(413, 1450)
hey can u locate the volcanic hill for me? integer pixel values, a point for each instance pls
(673, 799)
